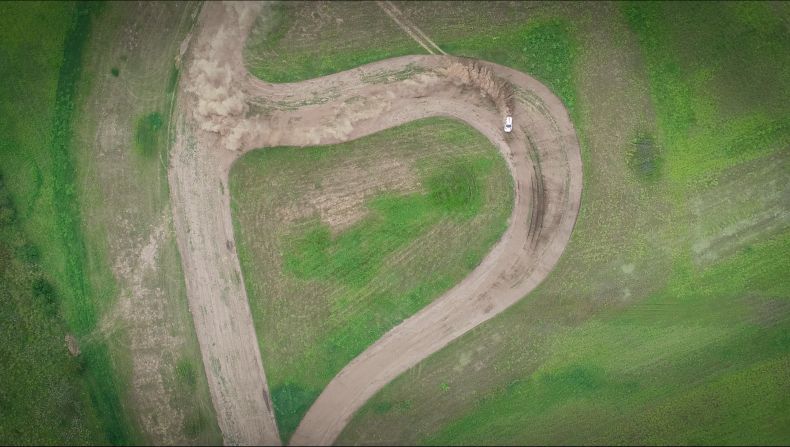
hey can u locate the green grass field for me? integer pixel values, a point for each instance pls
(667, 319)
(59, 185)
(39, 176)
(340, 243)
(44, 396)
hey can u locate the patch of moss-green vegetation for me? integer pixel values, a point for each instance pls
(42, 54)
(320, 294)
(196, 423)
(291, 402)
(185, 371)
(148, 134)
(114, 71)
(718, 75)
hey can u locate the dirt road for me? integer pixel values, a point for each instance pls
(223, 112)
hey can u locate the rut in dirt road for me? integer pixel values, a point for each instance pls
(214, 127)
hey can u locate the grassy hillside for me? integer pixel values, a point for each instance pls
(340, 243)
(42, 54)
(667, 319)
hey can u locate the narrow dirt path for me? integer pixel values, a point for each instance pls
(217, 122)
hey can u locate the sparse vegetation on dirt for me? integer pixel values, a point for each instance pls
(364, 234)
(298, 40)
(121, 154)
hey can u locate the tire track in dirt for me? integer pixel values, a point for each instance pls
(414, 27)
(215, 125)
(415, 33)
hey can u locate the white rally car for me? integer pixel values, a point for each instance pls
(508, 124)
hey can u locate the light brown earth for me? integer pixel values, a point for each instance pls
(216, 123)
